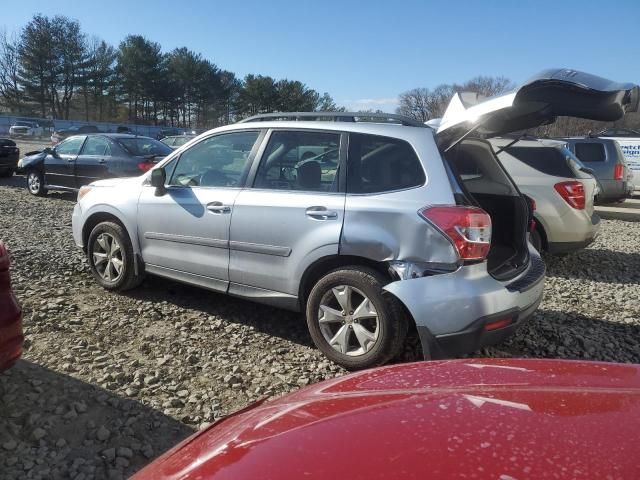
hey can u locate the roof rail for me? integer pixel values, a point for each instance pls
(336, 117)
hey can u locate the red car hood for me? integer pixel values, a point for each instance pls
(497, 419)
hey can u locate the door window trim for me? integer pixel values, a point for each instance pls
(342, 157)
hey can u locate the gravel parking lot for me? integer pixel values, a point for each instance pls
(109, 381)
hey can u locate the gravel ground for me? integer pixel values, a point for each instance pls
(109, 381)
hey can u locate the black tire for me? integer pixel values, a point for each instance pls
(127, 278)
(6, 173)
(536, 240)
(392, 321)
(34, 188)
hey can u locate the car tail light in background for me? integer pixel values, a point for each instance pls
(572, 192)
(618, 172)
(468, 228)
(145, 166)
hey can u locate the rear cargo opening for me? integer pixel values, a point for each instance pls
(484, 183)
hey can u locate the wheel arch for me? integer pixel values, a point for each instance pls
(543, 233)
(105, 216)
(323, 265)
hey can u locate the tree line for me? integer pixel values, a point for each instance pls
(428, 103)
(52, 69)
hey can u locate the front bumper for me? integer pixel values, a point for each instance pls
(452, 311)
(76, 225)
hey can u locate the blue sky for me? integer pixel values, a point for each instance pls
(364, 53)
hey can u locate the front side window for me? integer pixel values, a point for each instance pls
(98, 146)
(590, 152)
(381, 164)
(219, 161)
(300, 161)
(70, 146)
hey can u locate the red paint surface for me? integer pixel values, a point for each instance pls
(497, 419)
(11, 338)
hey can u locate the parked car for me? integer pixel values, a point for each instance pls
(9, 155)
(60, 135)
(11, 337)
(176, 141)
(82, 159)
(474, 418)
(562, 188)
(606, 159)
(356, 237)
(25, 129)
(168, 132)
(629, 141)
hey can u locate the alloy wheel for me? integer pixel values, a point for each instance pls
(348, 320)
(107, 257)
(33, 183)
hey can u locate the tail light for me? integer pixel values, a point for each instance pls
(618, 172)
(572, 192)
(145, 166)
(468, 228)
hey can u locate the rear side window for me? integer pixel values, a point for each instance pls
(549, 160)
(590, 152)
(301, 161)
(98, 146)
(381, 164)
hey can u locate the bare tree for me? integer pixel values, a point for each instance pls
(10, 89)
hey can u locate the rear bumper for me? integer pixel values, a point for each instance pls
(572, 246)
(452, 310)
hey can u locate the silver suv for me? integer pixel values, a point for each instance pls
(371, 226)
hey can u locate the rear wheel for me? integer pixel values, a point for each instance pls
(35, 183)
(353, 321)
(111, 258)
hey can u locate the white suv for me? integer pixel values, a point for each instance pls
(23, 128)
(366, 226)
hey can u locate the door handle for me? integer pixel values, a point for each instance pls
(102, 160)
(218, 207)
(321, 213)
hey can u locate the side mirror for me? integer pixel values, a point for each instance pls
(50, 151)
(158, 179)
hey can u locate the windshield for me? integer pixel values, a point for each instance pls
(144, 147)
(23, 124)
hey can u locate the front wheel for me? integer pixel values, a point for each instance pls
(111, 258)
(353, 321)
(35, 183)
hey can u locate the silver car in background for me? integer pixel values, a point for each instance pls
(561, 187)
(368, 225)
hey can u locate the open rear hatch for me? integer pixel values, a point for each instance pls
(483, 181)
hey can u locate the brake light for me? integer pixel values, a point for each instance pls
(618, 172)
(572, 192)
(468, 228)
(145, 166)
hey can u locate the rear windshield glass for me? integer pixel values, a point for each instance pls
(549, 160)
(590, 152)
(380, 164)
(143, 147)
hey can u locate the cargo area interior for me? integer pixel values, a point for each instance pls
(474, 162)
